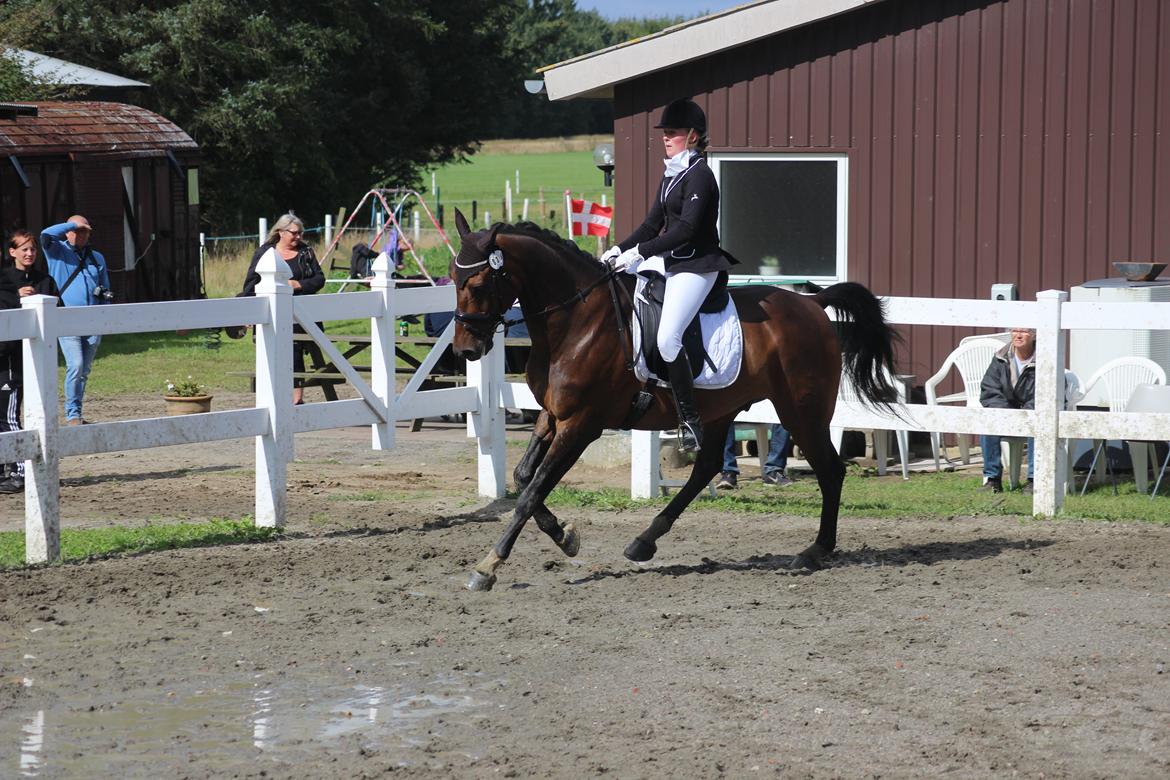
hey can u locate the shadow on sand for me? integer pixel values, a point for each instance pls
(925, 554)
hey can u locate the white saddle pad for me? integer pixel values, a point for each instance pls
(722, 337)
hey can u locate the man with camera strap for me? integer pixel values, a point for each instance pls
(82, 277)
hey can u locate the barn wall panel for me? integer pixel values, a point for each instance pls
(989, 141)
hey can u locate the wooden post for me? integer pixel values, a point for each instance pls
(382, 356)
(262, 233)
(487, 424)
(643, 464)
(328, 229)
(42, 475)
(508, 200)
(1051, 453)
(274, 387)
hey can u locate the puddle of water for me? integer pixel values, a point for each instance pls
(166, 728)
(32, 740)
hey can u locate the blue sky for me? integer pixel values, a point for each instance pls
(613, 9)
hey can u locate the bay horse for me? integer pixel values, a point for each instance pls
(578, 314)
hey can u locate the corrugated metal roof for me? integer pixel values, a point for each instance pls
(91, 128)
(69, 73)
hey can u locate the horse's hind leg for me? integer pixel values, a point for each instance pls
(567, 445)
(565, 537)
(818, 449)
(707, 465)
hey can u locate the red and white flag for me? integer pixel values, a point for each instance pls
(590, 219)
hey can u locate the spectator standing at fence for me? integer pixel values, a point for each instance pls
(307, 278)
(83, 279)
(19, 277)
(775, 466)
(1010, 383)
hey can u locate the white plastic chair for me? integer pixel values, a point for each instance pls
(847, 392)
(1120, 376)
(971, 359)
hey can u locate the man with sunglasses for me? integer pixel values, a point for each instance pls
(84, 280)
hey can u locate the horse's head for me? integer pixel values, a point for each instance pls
(484, 290)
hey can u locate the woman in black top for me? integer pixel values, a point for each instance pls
(682, 229)
(19, 277)
(307, 278)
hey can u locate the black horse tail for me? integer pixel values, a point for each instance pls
(867, 340)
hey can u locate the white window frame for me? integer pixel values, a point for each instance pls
(715, 160)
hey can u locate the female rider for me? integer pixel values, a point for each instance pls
(682, 228)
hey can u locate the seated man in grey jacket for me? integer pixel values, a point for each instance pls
(1010, 383)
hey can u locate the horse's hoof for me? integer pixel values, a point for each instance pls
(570, 543)
(640, 551)
(478, 581)
(810, 560)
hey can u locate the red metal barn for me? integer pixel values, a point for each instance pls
(131, 172)
(921, 147)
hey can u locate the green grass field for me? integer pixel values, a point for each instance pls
(482, 179)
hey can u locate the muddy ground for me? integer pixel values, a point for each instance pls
(349, 648)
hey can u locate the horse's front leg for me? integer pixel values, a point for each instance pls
(569, 441)
(707, 465)
(565, 537)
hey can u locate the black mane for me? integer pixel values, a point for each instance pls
(553, 240)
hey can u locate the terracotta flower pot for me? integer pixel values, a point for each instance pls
(187, 404)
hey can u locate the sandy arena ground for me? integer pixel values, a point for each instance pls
(349, 648)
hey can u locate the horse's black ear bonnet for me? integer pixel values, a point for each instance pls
(474, 257)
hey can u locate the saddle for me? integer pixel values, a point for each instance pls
(648, 314)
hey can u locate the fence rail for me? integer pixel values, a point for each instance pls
(274, 420)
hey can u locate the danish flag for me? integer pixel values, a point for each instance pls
(590, 219)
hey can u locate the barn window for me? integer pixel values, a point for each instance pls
(786, 210)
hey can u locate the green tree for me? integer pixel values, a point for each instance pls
(302, 104)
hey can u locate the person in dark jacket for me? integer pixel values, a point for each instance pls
(307, 278)
(682, 229)
(19, 278)
(1010, 383)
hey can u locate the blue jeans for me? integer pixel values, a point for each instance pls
(777, 460)
(79, 352)
(992, 460)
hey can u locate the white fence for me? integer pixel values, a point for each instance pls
(274, 420)
(1051, 314)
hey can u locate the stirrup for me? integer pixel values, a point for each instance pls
(690, 438)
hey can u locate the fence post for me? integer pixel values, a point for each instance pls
(42, 475)
(1051, 454)
(262, 233)
(274, 391)
(487, 425)
(643, 464)
(382, 351)
(328, 229)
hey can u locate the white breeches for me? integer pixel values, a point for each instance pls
(685, 293)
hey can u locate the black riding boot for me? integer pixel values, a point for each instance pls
(682, 385)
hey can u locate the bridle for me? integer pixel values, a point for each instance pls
(485, 325)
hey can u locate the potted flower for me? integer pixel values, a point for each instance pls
(186, 397)
(769, 265)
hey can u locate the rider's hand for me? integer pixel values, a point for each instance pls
(610, 255)
(627, 258)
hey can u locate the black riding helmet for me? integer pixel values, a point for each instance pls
(684, 112)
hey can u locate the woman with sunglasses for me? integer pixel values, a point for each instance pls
(307, 278)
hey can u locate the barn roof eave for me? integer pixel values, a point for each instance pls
(594, 75)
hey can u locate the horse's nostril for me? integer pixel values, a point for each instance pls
(469, 354)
